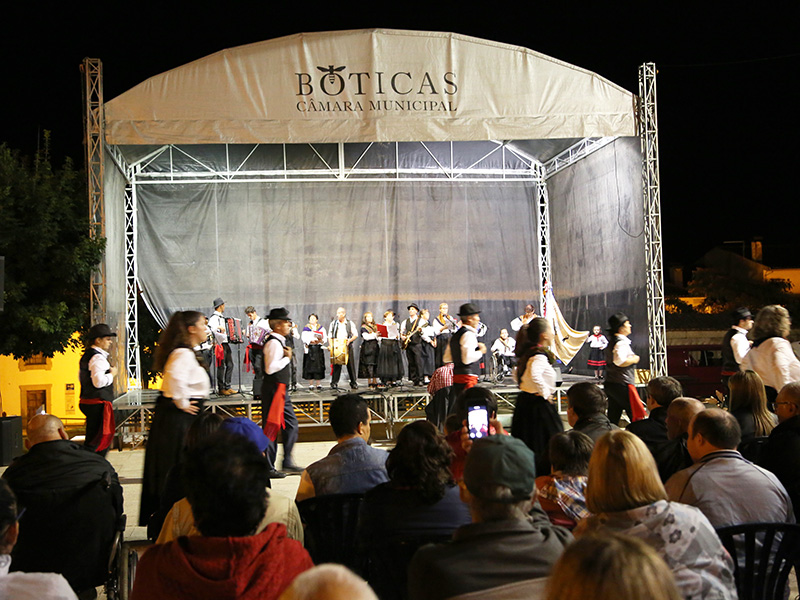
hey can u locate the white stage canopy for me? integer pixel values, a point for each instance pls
(370, 86)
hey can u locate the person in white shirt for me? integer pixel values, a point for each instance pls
(184, 388)
(314, 340)
(217, 325)
(257, 331)
(344, 330)
(96, 376)
(428, 347)
(465, 351)
(771, 355)
(597, 344)
(524, 318)
(735, 344)
(19, 585)
(503, 349)
(444, 326)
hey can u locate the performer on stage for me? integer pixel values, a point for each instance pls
(620, 384)
(341, 335)
(368, 357)
(443, 326)
(217, 325)
(314, 340)
(482, 329)
(293, 335)
(524, 318)
(428, 346)
(205, 352)
(503, 349)
(96, 376)
(411, 335)
(276, 404)
(257, 331)
(597, 344)
(390, 363)
(184, 388)
(464, 351)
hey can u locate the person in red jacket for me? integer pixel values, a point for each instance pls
(226, 478)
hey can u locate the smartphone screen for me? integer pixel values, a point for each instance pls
(477, 422)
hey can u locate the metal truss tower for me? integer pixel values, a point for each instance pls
(648, 132)
(93, 139)
(543, 230)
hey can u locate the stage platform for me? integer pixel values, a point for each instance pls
(389, 407)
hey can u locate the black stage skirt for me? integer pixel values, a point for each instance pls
(164, 447)
(390, 363)
(534, 422)
(428, 359)
(597, 359)
(314, 363)
(368, 358)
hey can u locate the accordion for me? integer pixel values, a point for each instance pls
(233, 327)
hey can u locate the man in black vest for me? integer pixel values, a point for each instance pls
(277, 412)
(96, 376)
(465, 351)
(735, 343)
(342, 328)
(411, 333)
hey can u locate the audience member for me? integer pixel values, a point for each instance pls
(611, 567)
(226, 483)
(474, 396)
(352, 466)
(586, 410)
(673, 455)
(562, 493)
(771, 355)
(421, 496)
(781, 453)
(24, 586)
(280, 509)
(660, 392)
(715, 482)
(625, 495)
(328, 582)
(510, 539)
(53, 482)
(749, 405)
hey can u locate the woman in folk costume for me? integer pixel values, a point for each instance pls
(368, 362)
(184, 388)
(621, 361)
(597, 358)
(314, 340)
(390, 363)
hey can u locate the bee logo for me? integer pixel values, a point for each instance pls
(331, 77)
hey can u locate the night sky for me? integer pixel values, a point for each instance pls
(728, 93)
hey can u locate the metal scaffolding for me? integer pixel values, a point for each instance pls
(93, 140)
(648, 123)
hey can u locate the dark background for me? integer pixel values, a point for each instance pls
(727, 84)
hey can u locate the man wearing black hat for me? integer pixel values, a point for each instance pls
(411, 334)
(96, 376)
(464, 351)
(510, 538)
(735, 343)
(216, 323)
(276, 405)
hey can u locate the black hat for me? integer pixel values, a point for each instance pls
(279, 314)
(500, 460)
(100, 330)
(468, 309)
(616, 321)
(218, 302)
(741, 314)
(412, 305)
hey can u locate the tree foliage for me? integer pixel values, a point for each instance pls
(44, 236)
(724, 293)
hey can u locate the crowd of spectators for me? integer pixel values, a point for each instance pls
(618, 513)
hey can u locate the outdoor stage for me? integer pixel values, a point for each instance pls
(391, 407)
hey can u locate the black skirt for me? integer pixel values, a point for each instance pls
(314, 363)
(390, 363)
(534, 422)
(164, 446)
(368, 358)
(597, 359)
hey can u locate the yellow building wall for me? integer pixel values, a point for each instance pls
(57, 378)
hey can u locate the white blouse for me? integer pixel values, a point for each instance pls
(622, 350)
(539, 377)
(774, 361)
(184, 378)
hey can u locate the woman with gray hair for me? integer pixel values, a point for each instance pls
(771, 355)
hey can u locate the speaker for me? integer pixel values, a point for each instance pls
(10, 439)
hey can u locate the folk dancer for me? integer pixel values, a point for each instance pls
(524, 318)
(428, 346)
(390, 363)
(464, 351)
(443, 326)
(597, 344)
(342, 328)
(370, 348)
(96, 376)
(314, 340)
(216, 323)
(735, 343)
(257, 331)
(411, 335)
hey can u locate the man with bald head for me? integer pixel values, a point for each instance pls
(55, 468)
(781, 453)
(715, 482)
(673, 455)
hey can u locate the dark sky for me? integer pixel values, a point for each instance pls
(728, 93)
